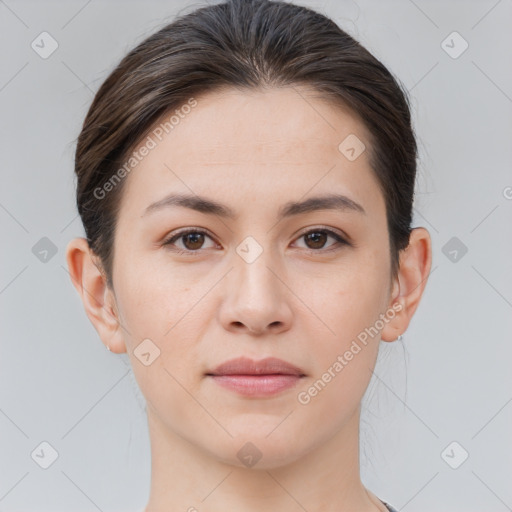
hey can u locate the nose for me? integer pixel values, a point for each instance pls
(256, 300)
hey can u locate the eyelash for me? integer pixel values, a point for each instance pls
(188, 252)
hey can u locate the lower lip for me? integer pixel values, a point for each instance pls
(256, 385)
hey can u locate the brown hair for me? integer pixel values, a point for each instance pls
(242, 44)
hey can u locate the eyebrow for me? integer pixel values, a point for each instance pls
(211, 207)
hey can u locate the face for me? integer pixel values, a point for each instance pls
(253, 276)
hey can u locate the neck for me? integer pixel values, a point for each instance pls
(184, 477)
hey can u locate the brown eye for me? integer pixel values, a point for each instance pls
(316, 239)
(192, 241)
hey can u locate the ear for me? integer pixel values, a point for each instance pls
(99, 302)
(408, 286)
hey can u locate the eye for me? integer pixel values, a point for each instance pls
(193, 240)
(316, 239)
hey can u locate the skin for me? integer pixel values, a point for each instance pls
(253, 151)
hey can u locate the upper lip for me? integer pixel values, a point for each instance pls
(246, 366)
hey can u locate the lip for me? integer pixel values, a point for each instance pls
(262, 378)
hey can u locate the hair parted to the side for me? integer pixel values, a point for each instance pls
(244, 44)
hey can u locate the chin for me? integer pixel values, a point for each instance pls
(257, 450)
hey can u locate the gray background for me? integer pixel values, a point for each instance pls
(449, 380)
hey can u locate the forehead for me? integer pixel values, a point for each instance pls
(254, 142)
(270, 123)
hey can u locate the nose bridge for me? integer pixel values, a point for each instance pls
(253, 262)
(255, 297)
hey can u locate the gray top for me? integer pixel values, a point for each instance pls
(389, 507)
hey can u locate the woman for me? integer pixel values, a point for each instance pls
(246, 180)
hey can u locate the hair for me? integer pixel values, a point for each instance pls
(244, 44)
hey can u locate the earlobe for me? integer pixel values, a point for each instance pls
(415, 264)
(97, 298)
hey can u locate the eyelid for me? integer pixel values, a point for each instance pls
(181, 232)
(329, 229)
(340, 237)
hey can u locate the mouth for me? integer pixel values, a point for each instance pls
(256, 378)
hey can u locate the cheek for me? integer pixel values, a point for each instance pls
(344, 362)
(350, 303)
(354, 297)
(158, 305)
(153, 296)
(166, 306)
